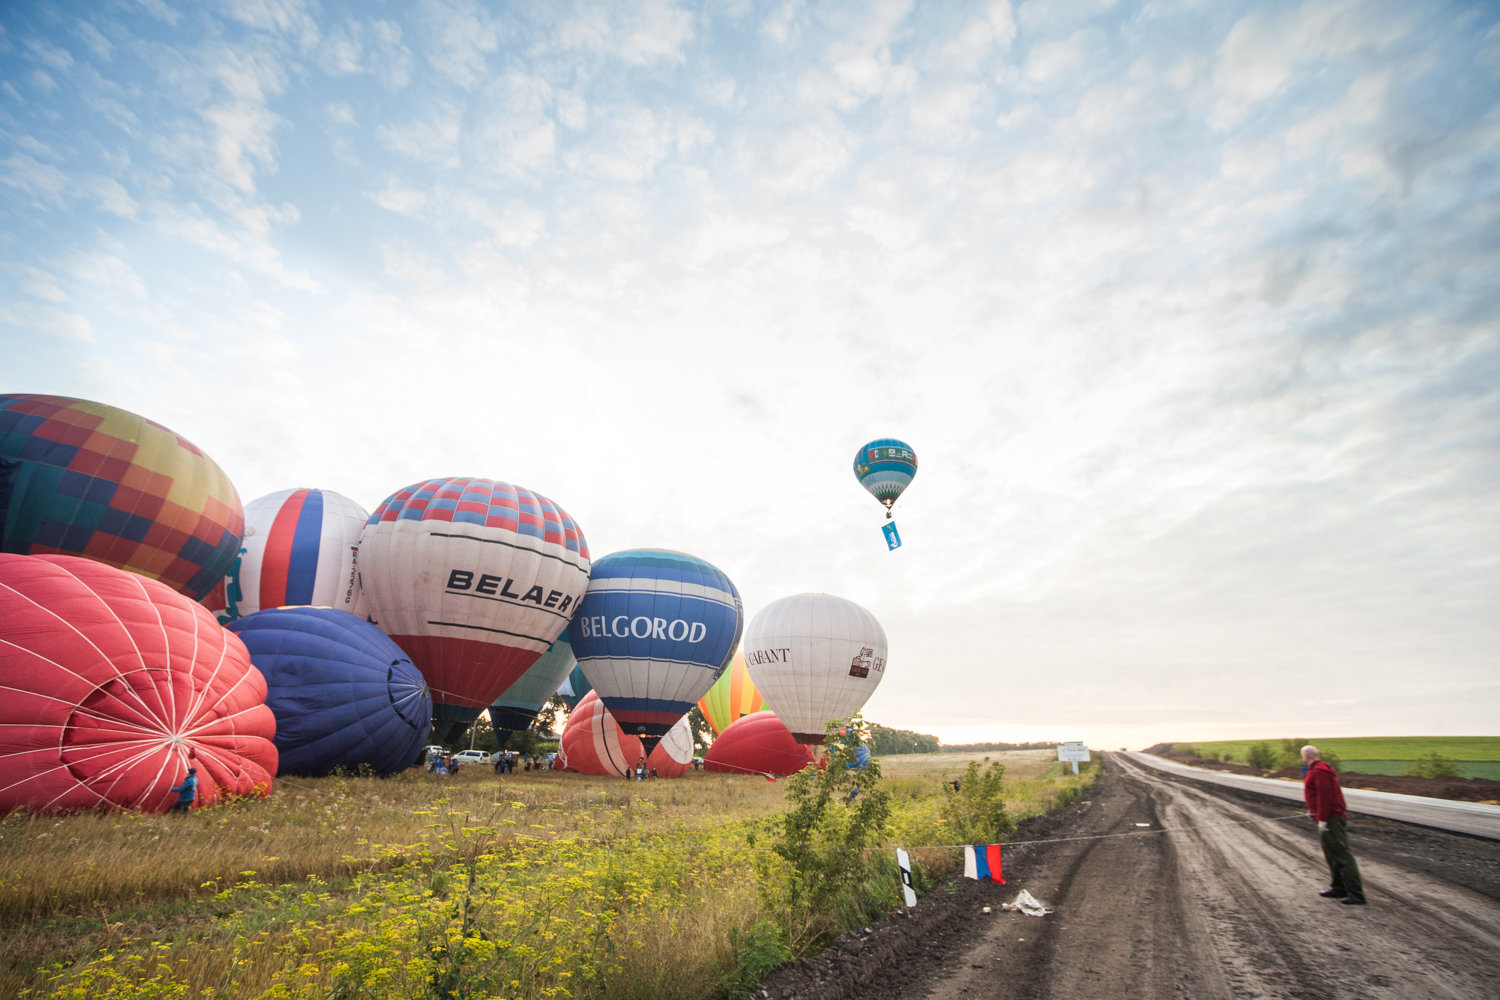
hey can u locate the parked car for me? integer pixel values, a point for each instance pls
(471, 757)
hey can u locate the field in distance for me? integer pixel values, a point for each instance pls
(1476, 756)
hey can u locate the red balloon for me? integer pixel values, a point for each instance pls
(758, 743)
(594, 743)
(115, 685)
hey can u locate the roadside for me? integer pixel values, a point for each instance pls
(1461, 789)
(1163, 887)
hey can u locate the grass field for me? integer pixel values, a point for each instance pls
(1476, 756)
(531, 885)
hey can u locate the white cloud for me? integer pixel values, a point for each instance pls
(290, 17)
(48, 320)
(462, 37)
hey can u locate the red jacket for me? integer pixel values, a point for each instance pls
(1320, 789)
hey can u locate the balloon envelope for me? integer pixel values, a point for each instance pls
(732, 696)
(298, 549)
(87, 479)
(673, 756)
(114, 685)
(594, 743)
(655, 630)
(517, 708)
(474, 579)
(344, 695)
(815, 658)
(574, 686)
(885, 467)
(758, 743)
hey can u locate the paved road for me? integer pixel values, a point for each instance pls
(1473, 818)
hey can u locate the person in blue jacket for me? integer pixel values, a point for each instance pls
(186, 792)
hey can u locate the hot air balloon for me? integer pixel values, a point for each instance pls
(87, 479)
(344, 695)
(655, 630)
(474, 579)
(574, 687)
(732, 696)
(885, 467)
(517, 708)
(673, 756)
(594, 743)
(299, 549)
(815, 658)
(758, 743)
(115, 685)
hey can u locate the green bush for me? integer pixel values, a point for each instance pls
(1433, 765)
(976, 811)
(1262, 756)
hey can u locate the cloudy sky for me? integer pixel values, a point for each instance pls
(1189, 309)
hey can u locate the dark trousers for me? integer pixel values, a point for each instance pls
(180, 806)
(1341, 864)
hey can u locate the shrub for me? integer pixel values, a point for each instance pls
(1432, 765)
(1262, 756)
(976, 811)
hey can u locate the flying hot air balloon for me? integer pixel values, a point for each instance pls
(815, 658)
(474, 579)
(299, 549)
(732, 696)
(344, 695)
(655, 630)
(115, 684)
(885, 467)
(87, 479)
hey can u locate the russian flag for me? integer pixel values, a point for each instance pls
(982, 861)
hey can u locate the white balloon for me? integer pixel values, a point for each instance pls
(299, 549)
(814, 658)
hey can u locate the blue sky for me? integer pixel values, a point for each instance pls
(1188, 309)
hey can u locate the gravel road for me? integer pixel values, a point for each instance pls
(1162, 887)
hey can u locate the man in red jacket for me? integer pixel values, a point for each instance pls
(1325, 803)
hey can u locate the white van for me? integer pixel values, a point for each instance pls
(471, 757)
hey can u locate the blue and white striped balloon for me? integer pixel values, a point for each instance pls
(654, 631)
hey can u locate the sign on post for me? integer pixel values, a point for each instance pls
(1073, 752)
(904, 863)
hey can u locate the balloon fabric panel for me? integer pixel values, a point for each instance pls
(88, 479)
(115, 684)
(593, 742)
(298, 550)
(758, 743)
(517, 708)
(733, 695)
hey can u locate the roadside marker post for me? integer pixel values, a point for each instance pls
(904, 863)
(1073, 753)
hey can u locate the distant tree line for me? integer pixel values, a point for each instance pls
(885, 741)
(991, 747)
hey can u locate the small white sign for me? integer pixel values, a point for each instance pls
(1072, 751)
(904, 863)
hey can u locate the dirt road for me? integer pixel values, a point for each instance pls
(1164, 888)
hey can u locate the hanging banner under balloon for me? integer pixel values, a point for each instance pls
(892, 536)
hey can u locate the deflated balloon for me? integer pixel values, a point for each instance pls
(732, 696)
(299, 549)
(344, 695)
(115, 684)
(673, 756)
(655, 630)
(885, 467)
(815, 658)
(87, 479)
(474, 579)
(758, 743)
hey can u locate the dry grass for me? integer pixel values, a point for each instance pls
(261, 897)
